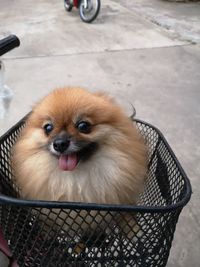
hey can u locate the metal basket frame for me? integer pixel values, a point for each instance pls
(158, 221)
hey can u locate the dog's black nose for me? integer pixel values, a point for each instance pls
(61, 144)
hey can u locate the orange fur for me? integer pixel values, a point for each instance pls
(115, 174)
(118, 167)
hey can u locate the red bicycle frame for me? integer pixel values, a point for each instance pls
(76, 2)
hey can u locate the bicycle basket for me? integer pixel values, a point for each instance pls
(45, 242)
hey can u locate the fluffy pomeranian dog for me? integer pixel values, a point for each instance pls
(80, 146)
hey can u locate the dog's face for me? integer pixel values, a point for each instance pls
(87, 135)
(69, 144)
(72, 124)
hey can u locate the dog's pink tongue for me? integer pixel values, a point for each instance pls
(68, 162)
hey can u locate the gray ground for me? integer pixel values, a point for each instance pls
(142, 52)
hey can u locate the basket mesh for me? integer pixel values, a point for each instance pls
(84, 235)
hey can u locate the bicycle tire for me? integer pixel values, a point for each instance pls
(90, 18)
(68, 6)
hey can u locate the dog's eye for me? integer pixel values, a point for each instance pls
(48, 128)
(84, 127)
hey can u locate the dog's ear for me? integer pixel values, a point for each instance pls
(105, 96)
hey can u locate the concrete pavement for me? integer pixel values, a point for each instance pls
(179, 19)
(128, 52)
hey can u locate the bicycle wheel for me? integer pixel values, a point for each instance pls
(68, 5)
(89, 10)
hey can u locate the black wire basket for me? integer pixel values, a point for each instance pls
(36, 232)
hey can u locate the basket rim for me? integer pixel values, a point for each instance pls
(6, 200)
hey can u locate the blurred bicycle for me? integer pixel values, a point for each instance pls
(88, 9)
